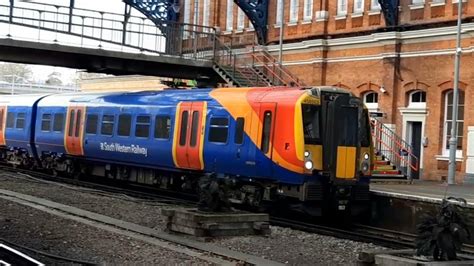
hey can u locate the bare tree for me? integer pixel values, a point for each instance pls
(54, 79)
(15, 72)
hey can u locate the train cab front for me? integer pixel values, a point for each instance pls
(338, 149)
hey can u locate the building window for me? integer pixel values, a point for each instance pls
(142, 128)
(371, 100)
(205, 13)
(294, 8)
(46, 122)
(278, 12)
(240, 19)
(230, 15)
(218, 130)
(358, 6)
(448, 122)
(374, 5)
(308, 10)
(417, 2)
(341, 7)
(417, 99)
(187, 11)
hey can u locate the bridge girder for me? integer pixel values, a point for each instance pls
(390, 11)
(160, 11)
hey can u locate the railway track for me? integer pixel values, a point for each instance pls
(356, 232)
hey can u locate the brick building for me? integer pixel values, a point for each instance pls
(407, 75)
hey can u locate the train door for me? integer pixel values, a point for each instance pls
(3, 121)
(189, 135)
(74, 130)
(266, 117)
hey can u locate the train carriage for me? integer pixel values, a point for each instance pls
(310, 146)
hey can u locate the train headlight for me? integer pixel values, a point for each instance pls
(365, 167)
(366, 156)
(306, 154)
(308, 165)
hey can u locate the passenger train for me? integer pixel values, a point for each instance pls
(307, 146)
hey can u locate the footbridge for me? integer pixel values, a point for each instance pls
(154, 43)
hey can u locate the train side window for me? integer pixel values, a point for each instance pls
(46, 122)
(78, 122)
(267, 124)
(194, 128)
(72, 115)
(142, 128)
(124, 125)
(20, 121)
(162, 127)
(91, 126)
(10, 120)
(219, 128)
(107, 125)
(239, 130)
(1, 120)
(58, 122)
(184, 128)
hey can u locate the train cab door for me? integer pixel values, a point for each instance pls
(265, 135)
(74, 130)
(3, 121)
(188, 142)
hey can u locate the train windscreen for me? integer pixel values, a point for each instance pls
(311, 123)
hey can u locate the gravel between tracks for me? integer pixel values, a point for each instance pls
(37, 229)
(285, 245)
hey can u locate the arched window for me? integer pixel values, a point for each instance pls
(448, 122)
(417, 99)
(371, 100)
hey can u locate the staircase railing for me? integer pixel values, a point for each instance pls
(394, 148)
(271, 68)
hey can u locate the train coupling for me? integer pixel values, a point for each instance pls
(342, 197)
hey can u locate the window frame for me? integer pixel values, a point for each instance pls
(308, 7)
(421, 104)
(183, 129)
(213, 126)
(56, 115)
(294, 9)
(266, 138)
(372, 106)
(342, 7)
(168, 127)
(43, 120)
(361, 8)
(140, 124)
(240, 19)
(11, 119)
(229, 21)
(239, 132)
(96, 124)
(102, 122)
(18, 118)
(460, 133)
(119, 133)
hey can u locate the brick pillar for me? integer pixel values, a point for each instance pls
(469, 178)
(391, 71)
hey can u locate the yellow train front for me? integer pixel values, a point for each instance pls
(313, 148)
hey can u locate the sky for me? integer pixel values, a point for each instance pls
(41, 72)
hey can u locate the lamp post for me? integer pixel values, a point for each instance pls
(453, 140)
(282, 18)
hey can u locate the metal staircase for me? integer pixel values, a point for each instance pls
(395, 158)
(252, 67)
